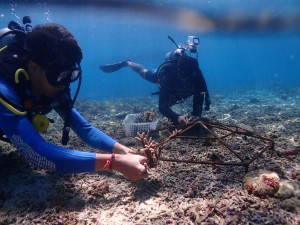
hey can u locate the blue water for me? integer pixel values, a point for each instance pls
(260, 46)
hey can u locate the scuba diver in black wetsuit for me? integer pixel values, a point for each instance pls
(178, 78)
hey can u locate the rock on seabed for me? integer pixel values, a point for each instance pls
(261, 183)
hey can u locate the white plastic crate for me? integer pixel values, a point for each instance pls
(131, 127)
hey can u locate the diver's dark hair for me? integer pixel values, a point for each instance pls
(48, 43)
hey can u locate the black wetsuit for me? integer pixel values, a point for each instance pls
(178, 82)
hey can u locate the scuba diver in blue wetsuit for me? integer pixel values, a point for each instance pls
(37, 65)
(178, 78)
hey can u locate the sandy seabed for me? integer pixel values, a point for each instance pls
(174, 193)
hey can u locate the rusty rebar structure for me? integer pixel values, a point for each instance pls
(214, 132)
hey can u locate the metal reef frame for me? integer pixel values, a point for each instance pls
(154, 150)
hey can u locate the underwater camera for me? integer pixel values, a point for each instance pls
(193, 43)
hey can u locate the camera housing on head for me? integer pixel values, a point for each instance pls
(190, 47)
(192, 44)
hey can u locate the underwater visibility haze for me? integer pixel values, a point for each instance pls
(243, 44)
(249, 54)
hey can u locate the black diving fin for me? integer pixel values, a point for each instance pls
(109, 68)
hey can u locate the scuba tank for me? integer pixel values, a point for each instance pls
(174, 54)
(11, 51)
(12, 46)
(12, 39)
(176, 74)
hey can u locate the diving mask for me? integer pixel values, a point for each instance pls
(58, 75)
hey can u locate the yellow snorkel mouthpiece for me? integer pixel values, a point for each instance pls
(40, 122)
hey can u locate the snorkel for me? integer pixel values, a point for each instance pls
(175, 54)
(173, 41)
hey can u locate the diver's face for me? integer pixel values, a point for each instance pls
(39, 83)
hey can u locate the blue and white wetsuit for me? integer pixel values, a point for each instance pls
(40, 153)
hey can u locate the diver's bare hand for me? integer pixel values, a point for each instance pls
(183, 119)
(120, 149)
(134, 167)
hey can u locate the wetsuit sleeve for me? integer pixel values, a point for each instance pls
(167, 92)
(164, 106)
(198, 100)
(40, 153)
(89, 134)
(32, 146)
(203, 86)
(200, 95)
